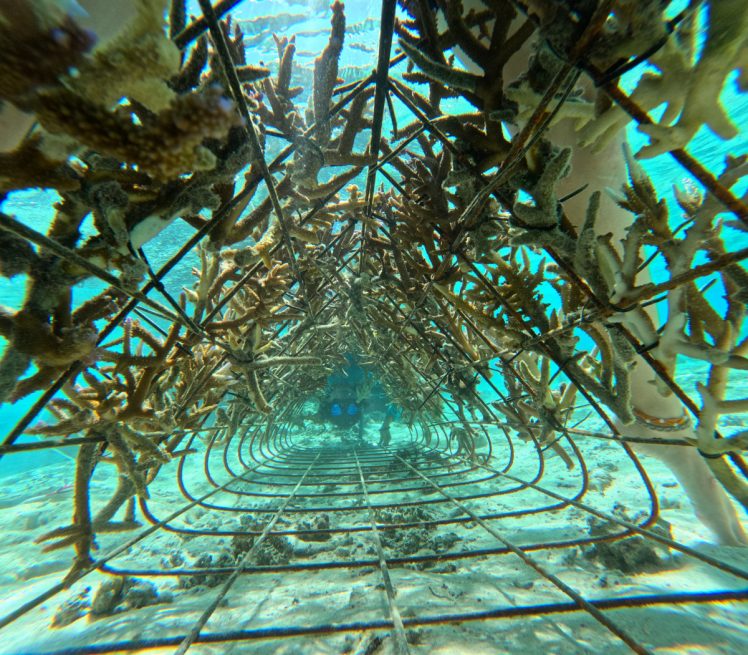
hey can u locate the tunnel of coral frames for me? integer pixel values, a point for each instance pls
(397, 327)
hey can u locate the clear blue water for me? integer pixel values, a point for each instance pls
(310, 21)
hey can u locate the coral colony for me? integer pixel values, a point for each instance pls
(465, 262)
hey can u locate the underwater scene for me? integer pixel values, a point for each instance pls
(373, 327)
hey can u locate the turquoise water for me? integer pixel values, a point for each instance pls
(309, 20)
(342, 582)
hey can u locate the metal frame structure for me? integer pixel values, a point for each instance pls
(248, 469)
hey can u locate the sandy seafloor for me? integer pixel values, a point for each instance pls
(36, 501)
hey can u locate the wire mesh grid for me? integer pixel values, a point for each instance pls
(255, 507)
(269, 505)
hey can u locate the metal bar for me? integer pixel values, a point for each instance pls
(193, 634)
(386, 27)
(23, 231)
(583, 603)
(529, 611)
(200, 25)
(401, 640)
(54, 590)
(219, 40)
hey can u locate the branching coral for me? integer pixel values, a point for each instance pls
(691, 86)
(39, 43)
(30, 166)
(163, 145)
(434, 294)
(726, 39)
(134, 64)
(546, 411)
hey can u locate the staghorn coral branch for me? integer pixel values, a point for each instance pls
(165, 146)
(135, 63)
(727, 36)
(326, 70)
(446, 75)
(39, 43)
(268, 362)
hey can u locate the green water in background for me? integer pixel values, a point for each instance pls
(310, 21)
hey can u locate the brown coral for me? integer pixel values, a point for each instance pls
(29, 166)
(33, 337)
(135, 64)
(39, 44)
(164, 146)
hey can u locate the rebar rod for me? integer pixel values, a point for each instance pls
(584, 604)
(401, 640)
(194, 633)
